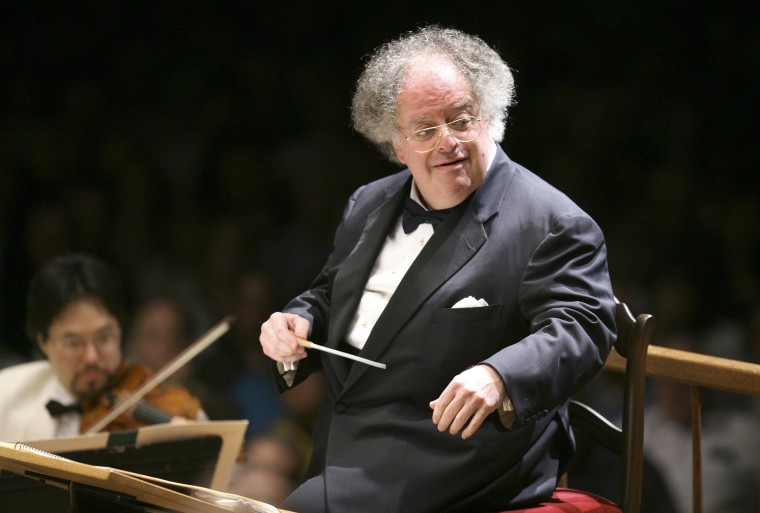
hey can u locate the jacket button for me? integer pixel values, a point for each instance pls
(341, 407)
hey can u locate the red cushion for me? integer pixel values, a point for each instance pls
(565, 500)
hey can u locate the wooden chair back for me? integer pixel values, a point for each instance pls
(700, 371)
(627, 441)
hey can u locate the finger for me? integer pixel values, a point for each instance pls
(301, 327)
(268, 344)
(475, 423)
(290, 353)
(449, 414)
(439, 406)
(460, 419)
(286, 339)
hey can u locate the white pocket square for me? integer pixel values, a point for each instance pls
(470, 302)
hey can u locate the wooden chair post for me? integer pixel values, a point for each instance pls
(696, 450)
(639, 335)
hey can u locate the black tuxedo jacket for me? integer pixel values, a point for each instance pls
(540, 263)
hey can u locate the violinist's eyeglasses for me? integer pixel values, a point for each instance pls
(464, 129)
(103, 342)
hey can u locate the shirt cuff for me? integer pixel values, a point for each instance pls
(288, 371)
(507, 413)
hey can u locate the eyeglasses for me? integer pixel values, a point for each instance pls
(464, 129)
(104, 342)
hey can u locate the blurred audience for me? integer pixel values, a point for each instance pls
(273, 464)
(237, 373)
(730, 438)
(160, 331)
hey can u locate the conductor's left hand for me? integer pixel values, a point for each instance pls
(468, 400)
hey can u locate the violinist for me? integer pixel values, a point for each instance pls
(75, 314)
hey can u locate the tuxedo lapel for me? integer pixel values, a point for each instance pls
(455, 241)
(353, 274)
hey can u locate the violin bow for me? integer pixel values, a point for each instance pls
(170, 368)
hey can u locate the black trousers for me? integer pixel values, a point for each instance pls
(309, 497)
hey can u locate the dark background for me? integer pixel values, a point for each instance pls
(206, 149)
(201, 140)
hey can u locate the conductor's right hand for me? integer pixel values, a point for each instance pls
(277, 339)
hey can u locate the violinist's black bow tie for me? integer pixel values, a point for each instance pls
(415, 215)
(57, 409)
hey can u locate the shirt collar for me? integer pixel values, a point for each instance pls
(415, 195)
(60, 394)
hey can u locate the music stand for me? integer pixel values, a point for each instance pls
(198, 454)
(89, 489)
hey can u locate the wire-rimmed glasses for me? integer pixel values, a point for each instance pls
(104, 342)
(463, 129)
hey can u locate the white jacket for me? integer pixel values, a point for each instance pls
(25, 389)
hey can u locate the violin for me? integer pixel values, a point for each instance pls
(159, 405)
(121, 406)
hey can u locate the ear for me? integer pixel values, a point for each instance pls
(399, 154)
(43, 345)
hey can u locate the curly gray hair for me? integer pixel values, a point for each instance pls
(375, 101)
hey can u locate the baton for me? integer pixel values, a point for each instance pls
(311, 345)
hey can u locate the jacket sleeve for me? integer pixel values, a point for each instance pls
(314, 303)
(566, 297)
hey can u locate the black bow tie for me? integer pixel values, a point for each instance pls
(57, 409)
(415, 215)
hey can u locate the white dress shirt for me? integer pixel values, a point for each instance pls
(399, 252)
